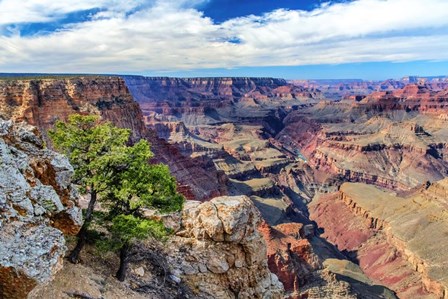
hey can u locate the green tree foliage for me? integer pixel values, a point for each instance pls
(136, 185)
(87, 143)
(121, 176)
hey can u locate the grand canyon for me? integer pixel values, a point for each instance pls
(295, 189)
(224, 149)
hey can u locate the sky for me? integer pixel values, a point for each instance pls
(293, 39)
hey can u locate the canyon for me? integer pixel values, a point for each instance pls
(340, 189)
(282, 149)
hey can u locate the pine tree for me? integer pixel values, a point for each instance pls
(86, 141)
(138, 185)
(121, 177)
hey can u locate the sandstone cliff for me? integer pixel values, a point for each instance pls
(41, 102)
(37, 206)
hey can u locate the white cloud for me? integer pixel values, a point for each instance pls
(172, 35)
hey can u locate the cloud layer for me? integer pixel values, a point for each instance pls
(170, 35)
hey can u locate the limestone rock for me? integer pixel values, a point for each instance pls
(36, 207)
(219, 253)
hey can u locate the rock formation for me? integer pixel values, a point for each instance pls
(398, 241)
(309, 267)
(41, 102)
(394, 140)
(358, 89)
(37, 206)
(219, 253)
(199, 101)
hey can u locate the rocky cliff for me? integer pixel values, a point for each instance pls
(41, 102)
(37, 206)
(198, 101)
(399, 147)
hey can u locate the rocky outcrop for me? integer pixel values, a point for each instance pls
(37, 206)
(219, 253)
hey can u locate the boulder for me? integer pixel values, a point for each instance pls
(219, 252)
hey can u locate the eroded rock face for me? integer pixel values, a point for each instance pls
(219, 253)
(399, 241)
(37, 205)
(309, 267)
(394, 140)
(41, 102)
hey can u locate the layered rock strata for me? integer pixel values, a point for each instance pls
(41, 102)
(398, 241)
(394, 147)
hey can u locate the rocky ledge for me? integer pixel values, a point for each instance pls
(37, 206)
(219, 252)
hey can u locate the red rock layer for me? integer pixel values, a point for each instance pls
(360, 236)
(42, 102)
(412, 97)
(290, 257)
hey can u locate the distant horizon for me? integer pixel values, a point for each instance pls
(32, 74)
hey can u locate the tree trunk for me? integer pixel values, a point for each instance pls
(82, 235)
(124, 261)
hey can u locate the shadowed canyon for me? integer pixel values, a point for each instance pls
(295, 189)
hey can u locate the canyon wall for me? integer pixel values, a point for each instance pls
(199, 101)
(41, 102)
(395, 139)
(398, 241)
(358, 89)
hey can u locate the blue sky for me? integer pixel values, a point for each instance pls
(367, 39)
(223, 10)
